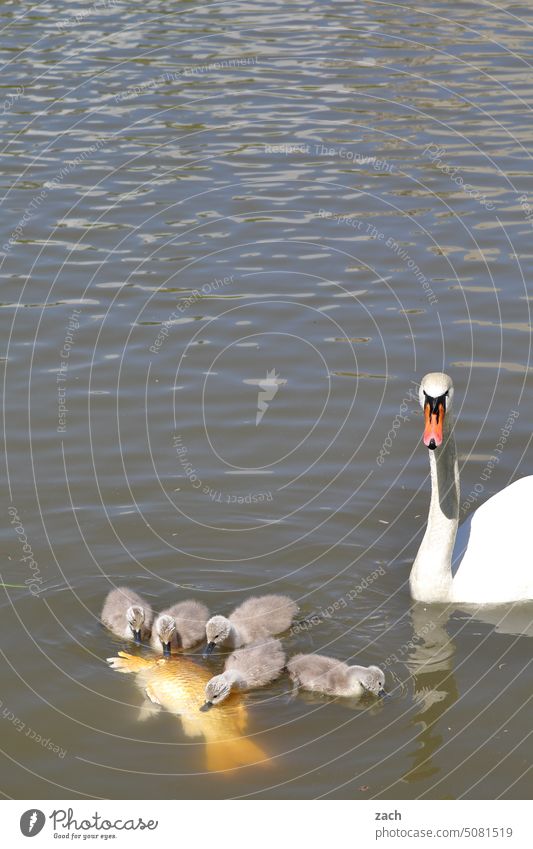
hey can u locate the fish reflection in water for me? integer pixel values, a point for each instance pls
(178, 685)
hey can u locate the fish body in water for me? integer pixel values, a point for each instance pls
(178, 686)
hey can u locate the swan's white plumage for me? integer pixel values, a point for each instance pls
(493, 555)
(489, 559)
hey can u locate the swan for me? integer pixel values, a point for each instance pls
(254, 666)
(256, 618)
(321, 674)
(127, 615)
(180, 626)
(487, 560)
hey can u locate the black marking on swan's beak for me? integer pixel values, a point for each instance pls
(206, 706)
(209, 649)
(166, 649)
(435, 402)
(434, 412)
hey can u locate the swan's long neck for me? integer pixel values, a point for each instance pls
(431, 575)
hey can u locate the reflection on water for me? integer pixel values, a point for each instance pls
(230, 246)
(435, 689)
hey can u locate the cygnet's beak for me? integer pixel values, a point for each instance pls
(209, 649)
(382, 694)
(137, 634)
(166, 649)
(206, 706)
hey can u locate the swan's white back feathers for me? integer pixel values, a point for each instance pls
(493, 555)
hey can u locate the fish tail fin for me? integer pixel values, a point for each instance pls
(230, 754)
(128, 662)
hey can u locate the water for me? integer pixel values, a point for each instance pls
(204, 198)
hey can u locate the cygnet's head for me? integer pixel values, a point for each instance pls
(373, 680)
(165, 628)
(436, 395)
(217, 631)
(135, 618)
(217, 689)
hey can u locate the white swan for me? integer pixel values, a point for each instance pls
(489, 560)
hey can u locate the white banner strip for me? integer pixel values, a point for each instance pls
(268, 824)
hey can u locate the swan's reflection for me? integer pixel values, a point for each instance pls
(515, 619)
(430, 661)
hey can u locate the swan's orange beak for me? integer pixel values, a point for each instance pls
(434, 413)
